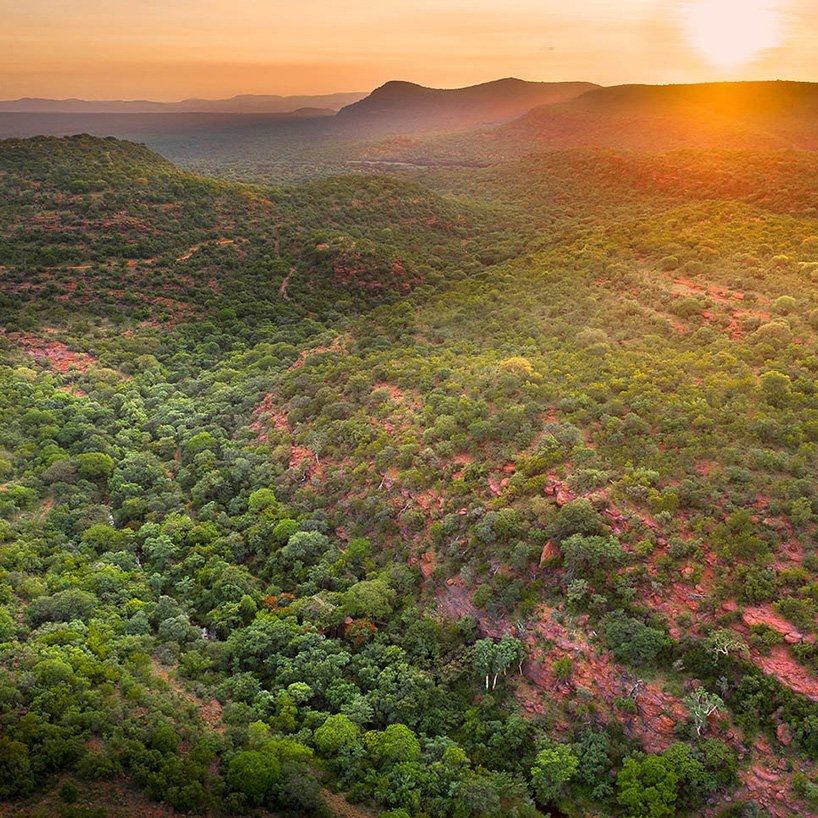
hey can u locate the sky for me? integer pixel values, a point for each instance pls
(173, 49)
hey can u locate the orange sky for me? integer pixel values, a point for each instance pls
(170, 49)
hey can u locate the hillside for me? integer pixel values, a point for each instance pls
(464, 492)
(70, 207)
(403, 107)
(738, 115)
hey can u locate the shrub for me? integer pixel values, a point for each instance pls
(255, 774)
(633, 642)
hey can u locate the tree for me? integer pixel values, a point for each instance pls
(801, 511)
(593, 750)
(255, 774)
(518, 366)
(632, 641)
(776, 388)
(554, 767)
(64, 606)
(263, 501)
(493, 658)
(396, 744)
(647, 787)
(336, 734)
(784, 305)
(736, 537)
(511, 651)
(284, 529)
(95, 465)
(103, 537)
(7, 625)
(576, 517)
(724, 641)
(15, 768)
(594, 556)
(695, 782)
(370, 597)
(702, 704)
(306, 547)
(484, 658)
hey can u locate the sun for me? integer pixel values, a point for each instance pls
(732, 33)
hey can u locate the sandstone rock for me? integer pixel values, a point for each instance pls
(564, 496)
(549, 552)
(784, 734)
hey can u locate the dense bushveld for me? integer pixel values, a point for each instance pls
(485, 492)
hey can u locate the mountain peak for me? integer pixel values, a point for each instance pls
(406, 106)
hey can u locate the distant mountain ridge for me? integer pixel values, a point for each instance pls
(241, 104)
(404, 106)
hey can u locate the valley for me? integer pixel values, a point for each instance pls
(468, 471)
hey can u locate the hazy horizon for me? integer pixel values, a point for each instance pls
(363, 92)
(214, 50)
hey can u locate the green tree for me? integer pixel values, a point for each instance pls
(263, 500)
(255, 774)
(647, 787)
(554, 767)
(701, 704)
(576, 517)
(15, 768)
(632, 641)
(776, 387)
(590, 557)
(396, 744)
(484, 658)
(95, 465)
(336, 734)
(372, 598)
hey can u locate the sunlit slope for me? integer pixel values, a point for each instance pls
(648, 375)
(751, 115)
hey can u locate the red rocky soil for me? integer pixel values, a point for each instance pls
(593, 671)
(54, 354)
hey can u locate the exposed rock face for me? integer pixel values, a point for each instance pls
(592, 671)
(780, 664)
(764, 615)
(550, 552)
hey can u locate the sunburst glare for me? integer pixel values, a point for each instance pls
(732, 33)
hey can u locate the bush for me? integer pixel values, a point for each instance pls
(255, 774)
(633, 642)
(784, 305)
